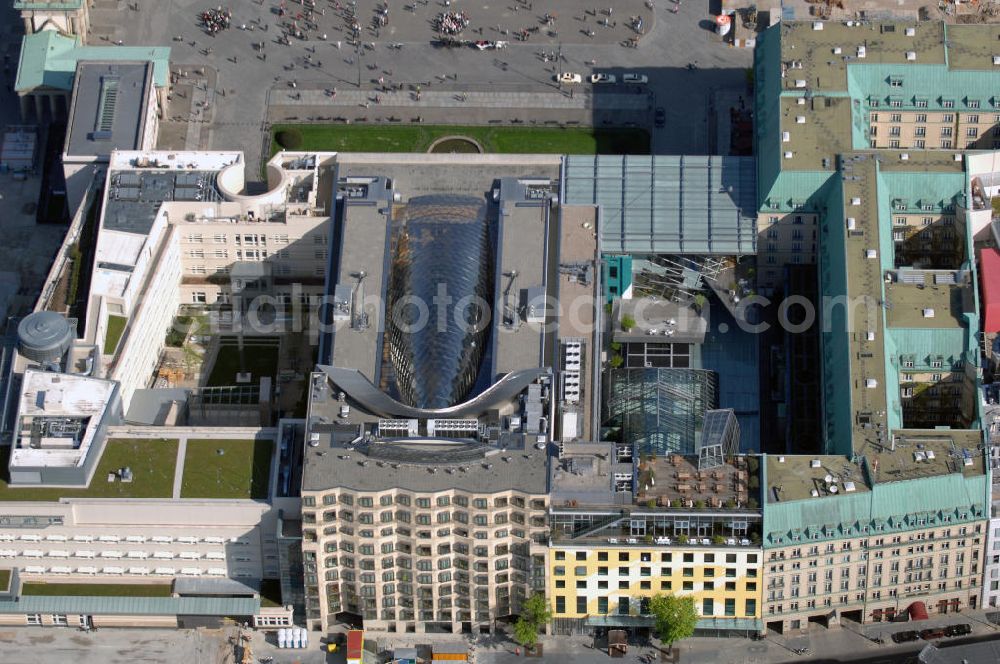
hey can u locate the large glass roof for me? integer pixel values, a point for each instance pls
(439, 294)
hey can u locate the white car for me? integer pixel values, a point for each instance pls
(568, 77)
(635, 78)
(602, 78)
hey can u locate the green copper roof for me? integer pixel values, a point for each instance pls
(935, 84)
(48, 60)
(891, 506)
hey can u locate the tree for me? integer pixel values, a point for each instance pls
(536, 610)
(675, 617)
(525, 633)
(627, 322)
(535, 614)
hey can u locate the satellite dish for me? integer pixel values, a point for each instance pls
(828, 479)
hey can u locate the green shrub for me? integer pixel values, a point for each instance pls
(627, 323)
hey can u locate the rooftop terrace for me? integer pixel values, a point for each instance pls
(675, 481)
(926, 453)
(796, 477)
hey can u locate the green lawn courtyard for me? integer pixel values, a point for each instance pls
(499, 139)
(152, 463)
(260, 358)
(242, 470)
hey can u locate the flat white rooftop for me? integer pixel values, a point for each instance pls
(57, 417)
(178, 160)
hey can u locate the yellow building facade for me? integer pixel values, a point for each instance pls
(605, 582)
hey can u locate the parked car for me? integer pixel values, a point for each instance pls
(660, 117)
(602, 78)
(961, 629)
(905, 637)
(635, 78)
(568, 77)
(932, 633)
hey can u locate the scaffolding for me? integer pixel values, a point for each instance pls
(679, 278)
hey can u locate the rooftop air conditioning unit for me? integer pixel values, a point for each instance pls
(817, 25)
(815, 463)
(800, 82)
(800, 119)
(911, 55)
(837, 50)
(910, 32)
(928, 313)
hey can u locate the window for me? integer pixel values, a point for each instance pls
(972, 132)
(560, 604)
(945, 131)
(34, 619)
(602, 556)
(560, 555)
(946, 144)
(947, 103)
(896, 117)
(623, 557)
(947, 117)
(973, 103)
(581, 604)
(751, 607)
(198, 297)
(730, 607)
(708, 607)
(581, 555)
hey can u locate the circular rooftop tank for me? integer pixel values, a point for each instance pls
(44, 336)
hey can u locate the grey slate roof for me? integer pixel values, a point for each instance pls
(147, 606)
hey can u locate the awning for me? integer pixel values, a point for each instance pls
(917, 611)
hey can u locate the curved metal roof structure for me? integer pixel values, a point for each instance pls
(438, 311)
(373, 400)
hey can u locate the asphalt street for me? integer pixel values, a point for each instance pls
(241, 78)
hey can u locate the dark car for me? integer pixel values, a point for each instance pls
(958, 630)
(660, 117)
(932, 633)
(905, 637)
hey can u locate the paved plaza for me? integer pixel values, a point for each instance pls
(230, 87)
